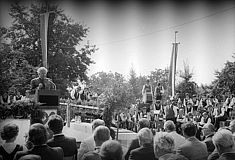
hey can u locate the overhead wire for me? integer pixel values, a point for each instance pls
(167, 28)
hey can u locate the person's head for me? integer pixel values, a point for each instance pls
(97, 122)
(223, 141)
(101, 134)
(9, 132)
(55, 123)
(145, 136)
(143, 122)
(232, 126)
(169, 126)
(189, 129)
(181, 111)
(147, 81)
(37, 134)
(208, 129)
(42, 72)
(204, 114)
(163, 143)
(111, 150)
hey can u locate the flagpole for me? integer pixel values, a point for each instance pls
(174, 67)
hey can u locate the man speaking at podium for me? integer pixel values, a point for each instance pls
(42, 82)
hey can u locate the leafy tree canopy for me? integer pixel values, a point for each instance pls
(66, 63)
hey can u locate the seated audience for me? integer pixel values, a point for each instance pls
(170, 128)
(193, 149)
(145, 151)
(89, 143)
(205, 119)
(101, 134)
(38, 137)
(143, 122)
(163, 145)
(111, 150)
(224, 144)
(68, 144)
(208, 131)
(8, 149)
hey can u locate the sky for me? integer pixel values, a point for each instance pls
(138, 35)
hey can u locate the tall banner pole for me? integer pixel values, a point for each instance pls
(43, 34)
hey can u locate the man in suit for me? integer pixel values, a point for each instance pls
(89, 143)
(145, 151)
(143, 122)
(68, 144)
(101, 134)
(224, 144)
(42, 82)
(192, 149)
(38, 137)
(171, 110)
(170, 128)
(208, 132)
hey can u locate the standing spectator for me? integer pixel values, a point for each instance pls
(171, 111)
(170, 128)
(9, 133)
(145, 151)
(89, 143)
(38, 137)
(68, 144)
(187, 102)
(224, 143)
(111, 150)
(208, 131)
(223, 116)
(101, 134)
(193, 149)
(143, 122)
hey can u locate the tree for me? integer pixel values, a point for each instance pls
(135, 89)
(224, 81)
(186, 86)
(66, 63)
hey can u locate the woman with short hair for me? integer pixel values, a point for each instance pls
(9, 133)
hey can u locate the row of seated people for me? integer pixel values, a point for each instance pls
(101, 146)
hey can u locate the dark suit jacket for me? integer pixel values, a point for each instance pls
(44, 151)
(133, 145)
(68, 144)
(143, 153)
(193, 149)
(227, 156)
(209, 144)
(47, 84)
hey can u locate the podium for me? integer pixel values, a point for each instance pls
(49, 100)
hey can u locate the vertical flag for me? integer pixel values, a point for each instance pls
(43, 34)
(173, 68)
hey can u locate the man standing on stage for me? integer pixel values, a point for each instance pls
(42, 82)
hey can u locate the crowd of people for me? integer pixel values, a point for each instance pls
(47, 142)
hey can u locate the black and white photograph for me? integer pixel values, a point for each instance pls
(117, 80)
